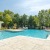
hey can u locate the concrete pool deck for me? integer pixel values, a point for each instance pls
(14, 30)
(24, 43)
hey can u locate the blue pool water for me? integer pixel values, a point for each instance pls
(30, 32)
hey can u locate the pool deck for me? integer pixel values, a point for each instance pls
(14, 30)
(24, 43)
(47, 30)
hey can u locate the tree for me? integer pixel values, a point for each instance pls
(1, 16)
(21, 22)
(16, 19)
(8, 12)
(31, 22)
(47, 22)
(42, 19)
(24, 19)
(36, 19)
(7, 19)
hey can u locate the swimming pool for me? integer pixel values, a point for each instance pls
(30, 32)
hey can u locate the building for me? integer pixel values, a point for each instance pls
(1, 24)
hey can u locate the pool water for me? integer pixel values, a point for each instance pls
(30, 32)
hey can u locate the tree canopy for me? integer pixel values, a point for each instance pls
(10, 19)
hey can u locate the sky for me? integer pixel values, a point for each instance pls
(29, 7)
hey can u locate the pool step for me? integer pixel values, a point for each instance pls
(48, 37)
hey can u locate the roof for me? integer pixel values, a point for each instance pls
(1, 22)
